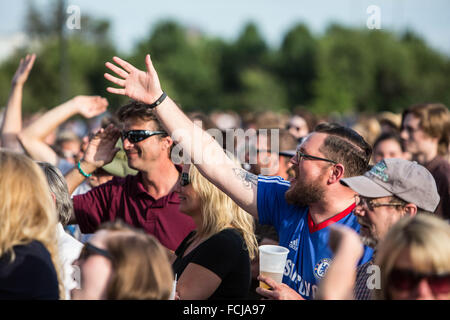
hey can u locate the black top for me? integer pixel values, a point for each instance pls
(31, 275)
(225, 254)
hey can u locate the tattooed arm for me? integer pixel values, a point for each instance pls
(204, 151)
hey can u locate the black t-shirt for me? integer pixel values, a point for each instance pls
(225, 254)
(30, 276)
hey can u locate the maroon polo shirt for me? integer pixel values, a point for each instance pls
(126, 199)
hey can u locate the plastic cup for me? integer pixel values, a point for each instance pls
(272, 260)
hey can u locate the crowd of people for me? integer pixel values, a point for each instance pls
(152, 203)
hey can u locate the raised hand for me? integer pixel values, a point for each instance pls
(22, 72)
(142, 86)
(101, 149)
(90, 106)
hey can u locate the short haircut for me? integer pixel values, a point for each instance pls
(344, 145)
(434, 121)
(388, 136)
(58, 186)
(139, 111)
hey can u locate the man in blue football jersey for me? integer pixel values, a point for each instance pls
(301, 210)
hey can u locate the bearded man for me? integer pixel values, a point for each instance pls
(301, 210)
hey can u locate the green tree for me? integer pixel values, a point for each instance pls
(187, 64)
(297, 64)
(85, 52)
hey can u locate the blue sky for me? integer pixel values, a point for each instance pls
(132, 19)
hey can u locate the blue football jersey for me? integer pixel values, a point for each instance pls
(309, 254)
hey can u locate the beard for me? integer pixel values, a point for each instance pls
(369, 241)
(303, 193)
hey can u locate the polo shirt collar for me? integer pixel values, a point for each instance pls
(137, 181)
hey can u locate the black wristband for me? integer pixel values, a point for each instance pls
(157, 102)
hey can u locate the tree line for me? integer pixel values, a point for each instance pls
(344, 70)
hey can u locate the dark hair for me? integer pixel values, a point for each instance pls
(310, 119)
(388, 136)
(137, 110)
(344, 145)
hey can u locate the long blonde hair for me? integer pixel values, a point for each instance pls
(27, 212)
(219, 211)
(427, 238)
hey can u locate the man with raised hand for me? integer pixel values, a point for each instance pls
(301, 210)
(147, 200)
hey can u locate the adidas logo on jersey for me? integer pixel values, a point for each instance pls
(294, 244)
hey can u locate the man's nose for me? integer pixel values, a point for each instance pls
(127, 144)
(359, 211)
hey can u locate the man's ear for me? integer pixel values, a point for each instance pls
(167, 142)
(410, 209)
(337, 173)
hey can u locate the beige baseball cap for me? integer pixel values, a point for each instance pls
(404, 179)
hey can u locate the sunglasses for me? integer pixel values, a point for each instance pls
(365, 202)
(184, 179)
(407, 280)
(304, 156)
(90, 250)
(138, 135)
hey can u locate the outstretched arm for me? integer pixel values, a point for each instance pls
(339, 280)
(203, 150)
(32, 137)
(12, 122)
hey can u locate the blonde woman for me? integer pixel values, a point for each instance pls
(29, 265)
(414, 259)
(213, 262)
(123, 263)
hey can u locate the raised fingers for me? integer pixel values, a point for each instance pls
(116, 90)
(127, 66)
(120, 72)
(115, 80)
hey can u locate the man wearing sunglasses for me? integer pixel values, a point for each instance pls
(147, 200)
(301, 210)
(392, 189)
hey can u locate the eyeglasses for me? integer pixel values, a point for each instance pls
(301, 155)
(138, 135)
(363, 201)
(89, 250)
(184, 179)
(407, 280)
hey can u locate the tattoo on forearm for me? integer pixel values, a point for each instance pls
(248, 179)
